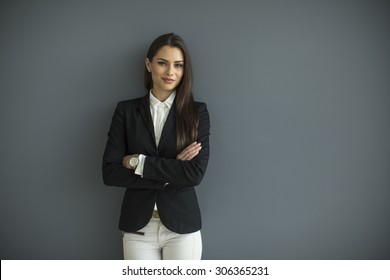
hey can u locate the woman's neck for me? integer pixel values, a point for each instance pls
(161, 95)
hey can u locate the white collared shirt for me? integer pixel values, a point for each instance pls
(159, 111)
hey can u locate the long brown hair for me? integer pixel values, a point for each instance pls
(187, 118)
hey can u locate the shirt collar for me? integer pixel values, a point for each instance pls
(168, 102)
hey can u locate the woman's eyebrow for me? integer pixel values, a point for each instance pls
(167, 60)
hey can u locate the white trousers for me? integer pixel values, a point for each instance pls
(156, 242)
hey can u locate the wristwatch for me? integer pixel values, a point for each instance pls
(133, 162)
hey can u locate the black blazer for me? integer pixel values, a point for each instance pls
(132, 132)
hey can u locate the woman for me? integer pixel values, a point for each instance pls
(158, 149)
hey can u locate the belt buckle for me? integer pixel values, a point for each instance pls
(155, 215)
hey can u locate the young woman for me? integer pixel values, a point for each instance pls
(158, 149)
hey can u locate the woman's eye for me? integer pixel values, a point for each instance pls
(161, 63)
(178, 65)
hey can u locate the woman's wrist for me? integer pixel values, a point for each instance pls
(130, 161)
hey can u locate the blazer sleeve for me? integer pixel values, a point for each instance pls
(114, 174)
(178, 172)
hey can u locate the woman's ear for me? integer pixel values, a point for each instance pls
(147, 64)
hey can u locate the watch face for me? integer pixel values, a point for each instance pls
(133, 162)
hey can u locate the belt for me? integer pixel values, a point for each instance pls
(155, 215)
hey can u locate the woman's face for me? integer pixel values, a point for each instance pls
(167, 68)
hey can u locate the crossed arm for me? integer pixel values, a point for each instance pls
(187, 154)
(187, 169)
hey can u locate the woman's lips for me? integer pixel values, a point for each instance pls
(168, 81)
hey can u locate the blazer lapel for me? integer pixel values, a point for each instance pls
(144, 108)
(169, 125)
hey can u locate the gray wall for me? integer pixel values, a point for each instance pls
(299, 99)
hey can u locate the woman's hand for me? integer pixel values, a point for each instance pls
(189, 152)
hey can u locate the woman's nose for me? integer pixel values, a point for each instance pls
(170, 70)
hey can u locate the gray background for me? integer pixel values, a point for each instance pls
(299, 99)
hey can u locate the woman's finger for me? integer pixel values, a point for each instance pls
(190, 152)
